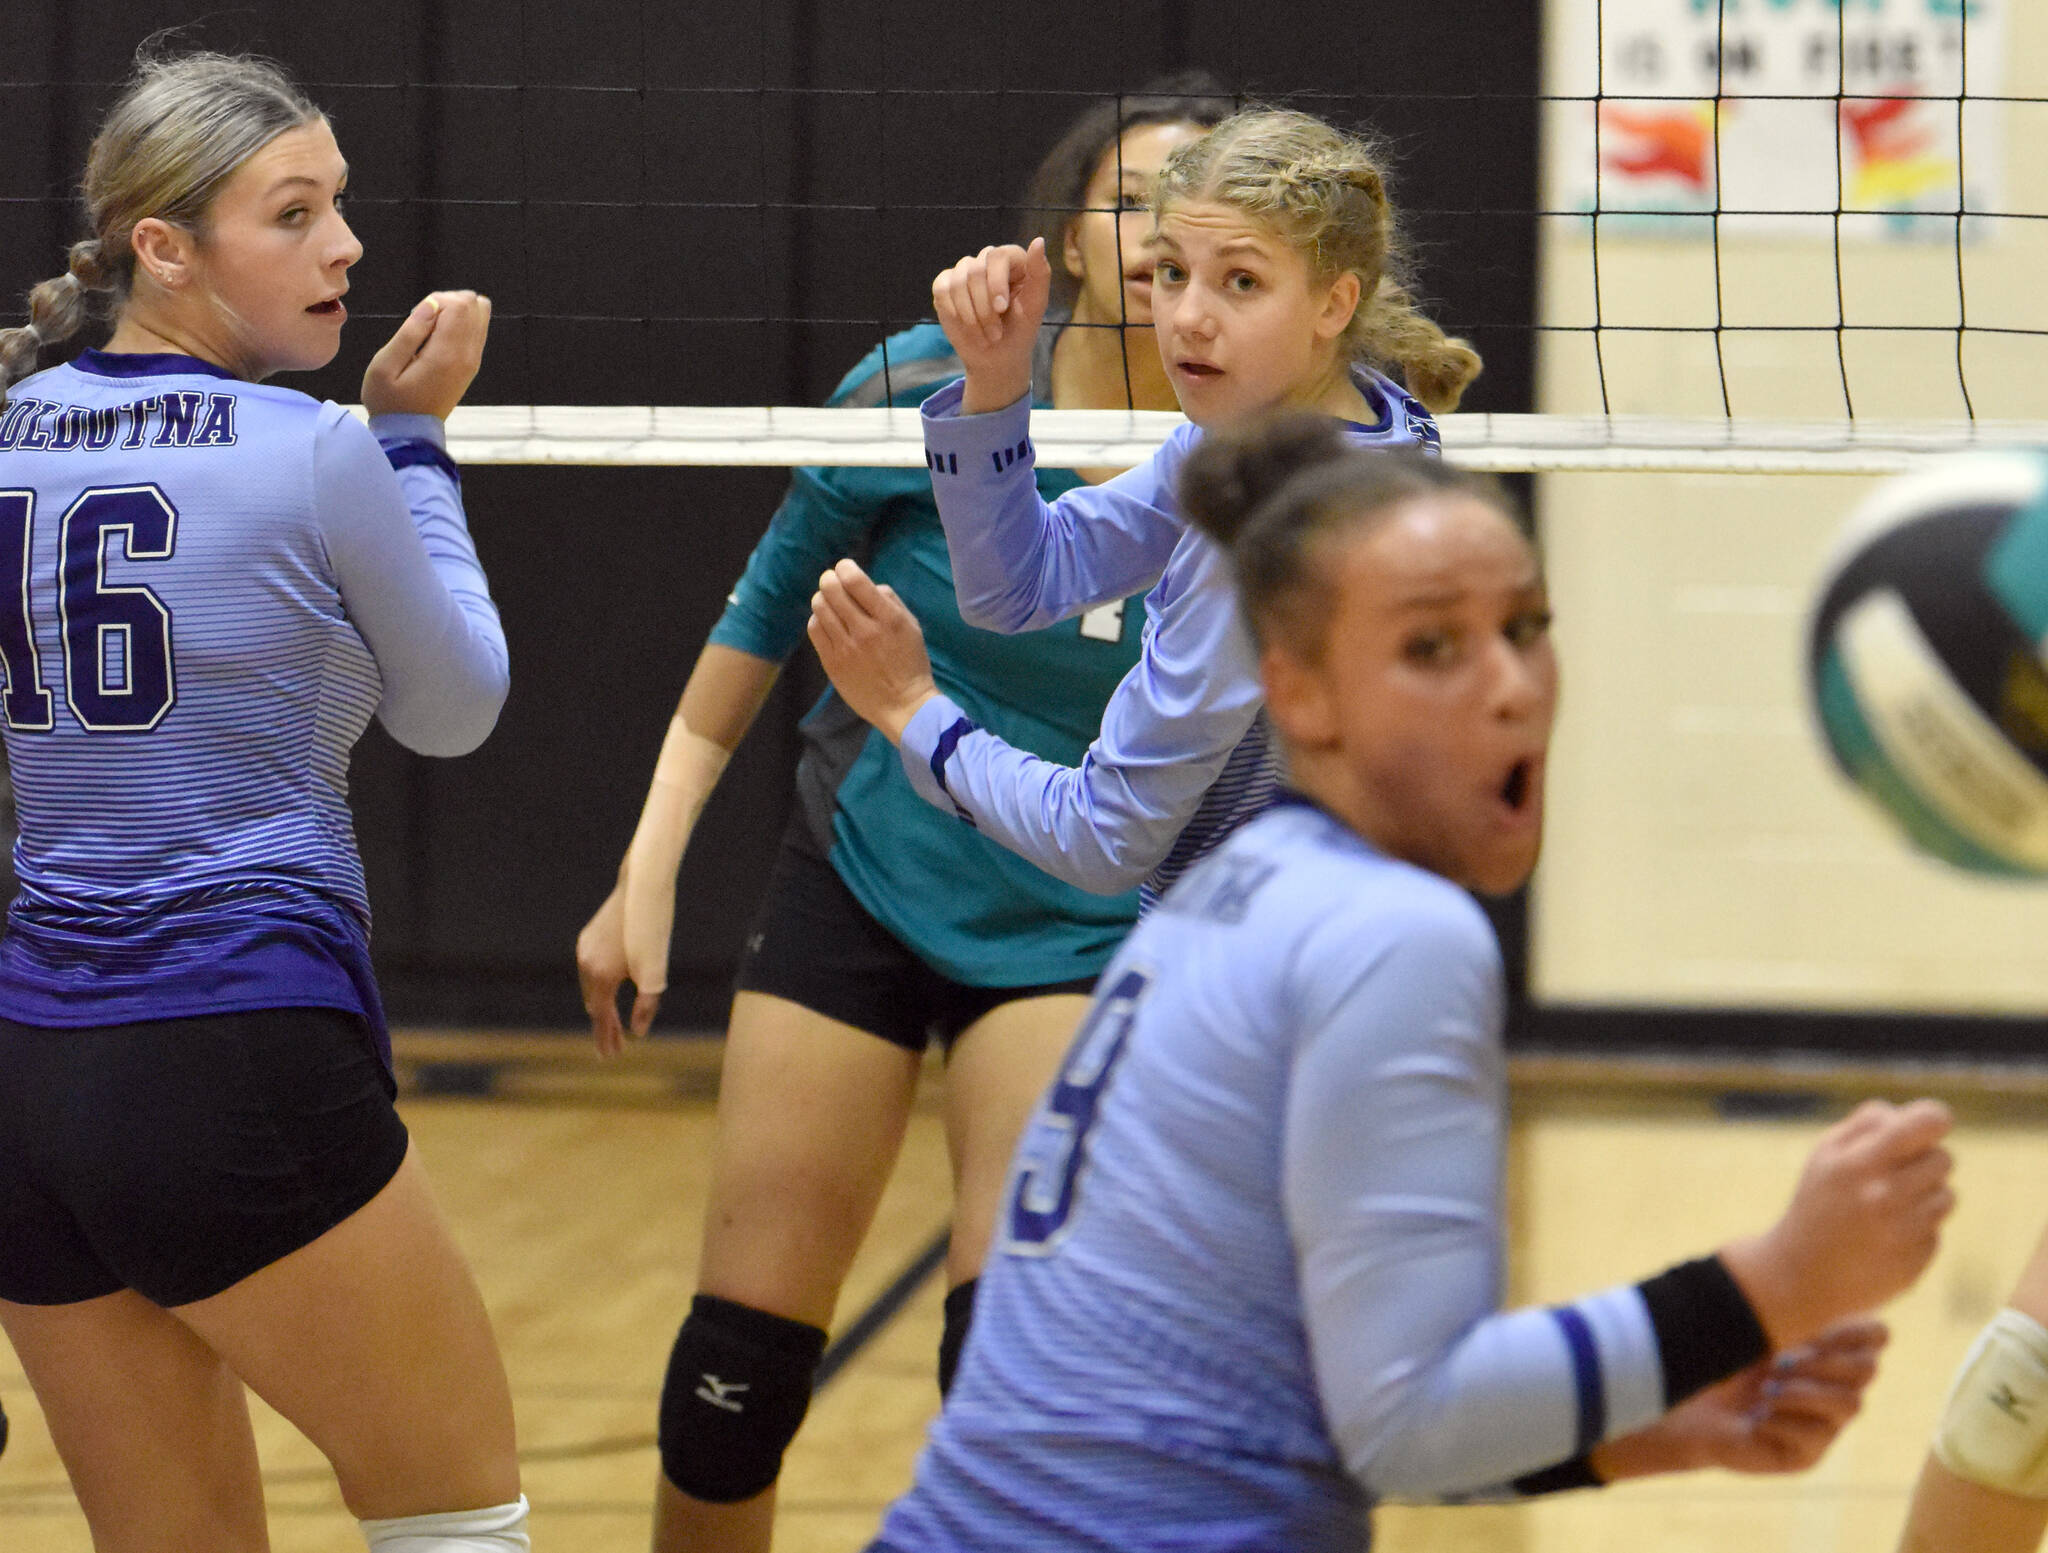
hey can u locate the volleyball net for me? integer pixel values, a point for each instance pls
(1768, 235)
(1771, 236)
(684, 435)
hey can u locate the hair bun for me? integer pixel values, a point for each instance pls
(1231, 474)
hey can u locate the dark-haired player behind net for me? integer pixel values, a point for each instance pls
(887, 924)
(1246, 1282)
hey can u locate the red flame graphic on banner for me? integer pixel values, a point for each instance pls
(1674, 144)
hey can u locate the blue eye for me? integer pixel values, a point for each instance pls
(1167, 273)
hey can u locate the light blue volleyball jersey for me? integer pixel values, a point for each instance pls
(1248, 1275)
(1183, 754)
(214, 584)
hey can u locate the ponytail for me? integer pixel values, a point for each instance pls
(57, 310)
(1389, 329)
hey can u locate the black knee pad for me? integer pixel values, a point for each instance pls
(738, 1385)
(959, 1313)
(3, 1431)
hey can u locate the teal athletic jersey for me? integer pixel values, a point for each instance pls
(971, 910)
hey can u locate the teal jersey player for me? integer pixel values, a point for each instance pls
(887, 924)
(998, 921)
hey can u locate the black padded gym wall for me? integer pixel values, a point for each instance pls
(714, 205)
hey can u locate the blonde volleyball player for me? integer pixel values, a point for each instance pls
(1277, 281)
(215, 584)
(1246, 1280)
(887, 924)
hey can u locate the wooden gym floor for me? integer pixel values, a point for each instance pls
(576, 1187)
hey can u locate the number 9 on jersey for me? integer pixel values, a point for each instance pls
(1047, 1176)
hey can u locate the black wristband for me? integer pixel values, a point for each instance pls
(1576, 1473)
(1706, 1328)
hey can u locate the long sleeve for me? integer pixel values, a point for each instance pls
(1392, 1192)
(392, 521)
(1167, 732)
(1171, 730)
(1021, 563)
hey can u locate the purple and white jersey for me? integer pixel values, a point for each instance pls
(212, 586)
(1247, 1280)
(1184, 756)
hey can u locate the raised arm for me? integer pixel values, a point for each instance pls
(1391, 1174)
(402, 556)
(1020, 563)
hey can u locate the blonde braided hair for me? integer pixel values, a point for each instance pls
(177, 133)
(1323, 190)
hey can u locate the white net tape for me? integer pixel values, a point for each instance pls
(1066, 439)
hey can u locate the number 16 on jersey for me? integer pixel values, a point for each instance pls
(118, 674)
(1047, 1176)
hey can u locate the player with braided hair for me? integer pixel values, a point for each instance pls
(217, 583)
(59, 308)
(1278, 281)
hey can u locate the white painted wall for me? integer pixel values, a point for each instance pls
(1701, 850)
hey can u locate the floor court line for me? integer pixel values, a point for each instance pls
(576, 1169)
(883, 1308)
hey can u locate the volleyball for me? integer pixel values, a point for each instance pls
(1926, 658)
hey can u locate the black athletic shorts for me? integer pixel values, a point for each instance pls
(815, 944)
(177, 1157)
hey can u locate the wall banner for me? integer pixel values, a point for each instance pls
(1777, 113)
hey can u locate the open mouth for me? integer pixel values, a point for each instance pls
(1199, 369)
(1515, 791)
(327, 309)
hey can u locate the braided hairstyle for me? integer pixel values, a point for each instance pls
(1277, 491)
(1324, 192)
(178, 132)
